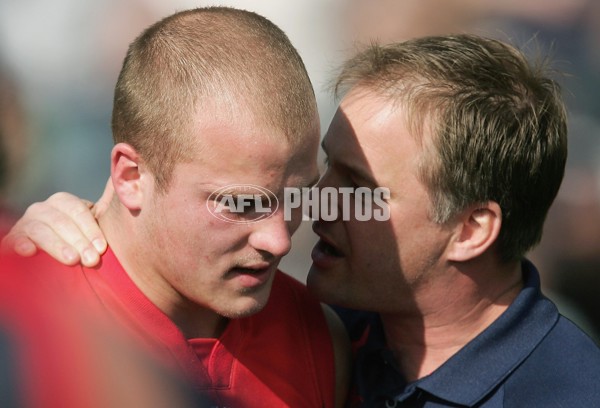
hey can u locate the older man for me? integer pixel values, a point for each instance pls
(471, 140)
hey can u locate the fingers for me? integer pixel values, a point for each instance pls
(20, 244)
(27, 236)
(74, 223)
(63, 226)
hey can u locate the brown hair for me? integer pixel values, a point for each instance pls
(192, 58)
(498, 124)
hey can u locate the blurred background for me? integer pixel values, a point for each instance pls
(59, 61)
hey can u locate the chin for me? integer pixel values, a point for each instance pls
(320, 288)
(331, 291)
(246, 307)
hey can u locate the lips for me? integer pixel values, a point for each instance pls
(325, 253)
(254, 275)
(255, 268)
(328, 249)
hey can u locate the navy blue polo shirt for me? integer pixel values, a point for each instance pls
(531, 356)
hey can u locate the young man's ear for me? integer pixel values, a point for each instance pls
(476, 231)
(126, 174)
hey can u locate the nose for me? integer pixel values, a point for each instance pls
(272, 235)
(327, 189)
(329, 178)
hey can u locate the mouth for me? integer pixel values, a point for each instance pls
(328, 249)
(251, 276)
(326, 244)
(255, 267)
(325, 253)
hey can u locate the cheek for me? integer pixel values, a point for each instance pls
(179, 228)
(371, 248)
(191, 219)
(371, 236)
(217, 238)
(188, 229)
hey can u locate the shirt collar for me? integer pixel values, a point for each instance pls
(474, 371)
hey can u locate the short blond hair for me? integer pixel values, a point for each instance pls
(193, 57)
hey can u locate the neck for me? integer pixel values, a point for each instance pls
(141, 262)
(441, 323)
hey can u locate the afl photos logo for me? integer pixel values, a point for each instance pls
(242, 203)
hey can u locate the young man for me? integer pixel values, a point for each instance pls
(471, 140)
(206, 99)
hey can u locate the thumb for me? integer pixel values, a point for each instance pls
(104, 201)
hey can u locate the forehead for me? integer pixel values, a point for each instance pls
(370, 131)
(232, 146)
(365, 123)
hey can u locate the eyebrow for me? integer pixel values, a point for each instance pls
(239, 191)
(235, 192)
(360, 173)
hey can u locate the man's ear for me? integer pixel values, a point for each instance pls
(126, 175)
(477, 229)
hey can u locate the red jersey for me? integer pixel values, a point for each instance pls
(279, 357)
